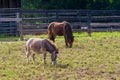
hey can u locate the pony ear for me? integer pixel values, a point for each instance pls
(56, 52)
(73, 36)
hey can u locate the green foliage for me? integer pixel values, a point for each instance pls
(111, 1)
(90, 58)
(71, 4)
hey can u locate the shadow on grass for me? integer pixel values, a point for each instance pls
(62, 65)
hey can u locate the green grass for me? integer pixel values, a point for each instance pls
(8, 38)
(91, 58)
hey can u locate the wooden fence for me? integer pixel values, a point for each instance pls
(9, 21)
(81, 20)
(36, 21)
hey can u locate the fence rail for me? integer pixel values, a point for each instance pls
(36, 21)
(81, 20)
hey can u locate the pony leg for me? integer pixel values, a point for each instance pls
(33, 57)
(28, 55)
(44, 57)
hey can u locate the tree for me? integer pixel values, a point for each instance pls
(71, 4)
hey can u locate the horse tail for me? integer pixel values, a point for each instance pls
(50, 31)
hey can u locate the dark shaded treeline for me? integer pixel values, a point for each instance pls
(72, 4)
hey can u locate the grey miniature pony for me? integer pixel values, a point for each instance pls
(41, 46)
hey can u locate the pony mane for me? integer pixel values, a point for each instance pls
(52, 43)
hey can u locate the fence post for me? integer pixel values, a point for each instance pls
(79, 17)
(88, 22)
(113, 20)
(20, 26)
(57, 16)
(46, 15)
(21, 31)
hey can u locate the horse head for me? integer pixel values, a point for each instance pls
(70, 41)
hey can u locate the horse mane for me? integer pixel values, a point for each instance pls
(68, 29)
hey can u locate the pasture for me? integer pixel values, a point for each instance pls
(90, 58)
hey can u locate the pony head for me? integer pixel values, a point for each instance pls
(53, 50)
(54, 56)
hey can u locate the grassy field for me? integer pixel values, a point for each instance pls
(91, 58)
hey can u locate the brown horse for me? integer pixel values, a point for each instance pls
(41, 45)
(61, 29)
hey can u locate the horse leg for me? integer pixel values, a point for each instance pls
(66, 41)
(50, 35)
(66, 44)
(44, 57)
(33, 57)
(52, 38)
